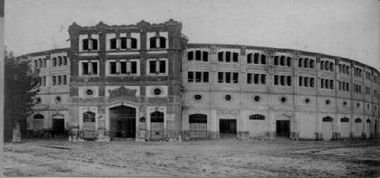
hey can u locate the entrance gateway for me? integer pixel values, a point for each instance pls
(123, 122)
(227, 128)
(282, 128)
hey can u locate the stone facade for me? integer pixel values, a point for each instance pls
(144, 82)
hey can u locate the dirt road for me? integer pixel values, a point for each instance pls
(199, 158)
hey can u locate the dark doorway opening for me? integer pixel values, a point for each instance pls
(58, 127)
(227, 128)
(123, 122)
(198, 126)
(282, 128)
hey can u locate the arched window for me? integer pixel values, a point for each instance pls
(300, 62)
(332, 66)
(312, 64)
(327, 119)
(358, 120)
(368, 120)
(59, 61)
(88, 116)
(289, 61)
(306, 65)
(198, 118)
(282, 60)
(38, 122)
(133, 43)
(256, 58)
(64, 60)
(327, 65)
(54, 61)
(344, 119)
(256, 117)
(263, 59)
(322, 65)
(157, 116)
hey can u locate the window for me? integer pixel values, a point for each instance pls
(307, 100)
(198, 118)
(38, 100)
(256, 117)
(123, 43)
(327, 102)
(89, 44)
(123, 67)
(197, 77)
(344, 119)
(199, 55)
(54, 80)
(282, 61)
(113, 69)
(133, 43)
(88, 116)
(228, 56)
(228, 97)
(256, 98)
(157, 116)
(283, 80)
(64, 79)
(327, 83)
(257, 78)
(54, 61)
(358, 120)
(157, 66)
(58, 99)
(38, 122)
(283, 99)
(89, 67)
(157, 42)
(256, 58)
(59, 80)
(327, 119)
(113, 43)
(89, 92)
(157, 91)
(368, 120)
(190, 55)
(64, 60)
(197, 97)
(228, 77)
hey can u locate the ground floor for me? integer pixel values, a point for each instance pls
(198, 123)
(222, 158)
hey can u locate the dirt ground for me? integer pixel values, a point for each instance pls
(222, 158)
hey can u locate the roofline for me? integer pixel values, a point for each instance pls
(194, 45)
(40, 53)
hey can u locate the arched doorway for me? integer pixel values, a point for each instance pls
(157, 125)
(358, 127)
(327, 128)
(345, 127)
(58, 124)
(198, 126)
(89, 125)
(123, 122)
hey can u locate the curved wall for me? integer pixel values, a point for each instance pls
(302, 95)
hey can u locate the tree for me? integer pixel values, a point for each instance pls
(21, 86)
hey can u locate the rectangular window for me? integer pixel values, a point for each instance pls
(59, 80)
(94, 68)
(220, 56)
(152, 67)
(249, 78)
(190, 77)
(276, 80)
(289, 80)
(276, 60)
(64, 80)
(300, 80)
(54, 80)
(228, 56)
(162, 66)
(256, 78)
(306, 81)
(123, 67)
(85, 44)
(263, 59)
(228, 77)
(235, 57)
(123, 43)
(220, 77)
(198, 55)
(205, 56)
(190, 55)
(282, 80)
(312, 81)
(205, 76)
(331, 84)
(133, 67)
(263, 79)
(85, 68)
(235, 77)
(113, 68)
(198, 77)
(113, 43)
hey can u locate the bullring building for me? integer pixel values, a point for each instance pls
(145, 82)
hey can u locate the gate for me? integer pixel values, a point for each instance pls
(157, 125)
(123, 122)
(198, 126)
(227, 128)
(89, 128)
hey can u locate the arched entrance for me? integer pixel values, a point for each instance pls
(198, 126)
(327, 128)
(123, 122)
(157, 125)
(58, 124)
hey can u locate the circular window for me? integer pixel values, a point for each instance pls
(358, 105)
(283, 99)
(157, 91)
(228, 97)
(328, 102)
(344, 103)
(38, 100)
(58, 99)
(197, 97)
(89, 92)
(307, 100)
(256, 98)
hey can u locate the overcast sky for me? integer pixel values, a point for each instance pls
(347, 28)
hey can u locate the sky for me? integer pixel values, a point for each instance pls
(346, 28)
